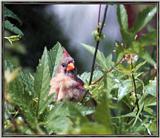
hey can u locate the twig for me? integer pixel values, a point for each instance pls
(135, 89)
(99, 15)
(97, 44)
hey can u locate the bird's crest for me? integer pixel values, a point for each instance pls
(65, 53)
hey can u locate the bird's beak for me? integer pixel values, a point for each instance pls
(70, 67)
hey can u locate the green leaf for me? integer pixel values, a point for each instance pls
(146, 56)
(55, 55)
(138, 114)
(84, 110)
(10, 27)
(137, 48)
(131, 114)
(91, 128)
(8, 65)
(122, 17)
(104, 63)
(63, 116)
(151, 88)
(139, 66)
(148, 110)
(9, 13)
(42, 82)
(143, 19)
(59, 125)
(148, 39)
(125, 70)
(153, 127)
(21, 93)
(123, 22)
(102, 113)
(125, 87)
(86, 75)
(109, 62)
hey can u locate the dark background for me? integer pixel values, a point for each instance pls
(42, 29)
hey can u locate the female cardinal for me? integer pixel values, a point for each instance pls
(65, 83)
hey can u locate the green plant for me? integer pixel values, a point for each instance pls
(126, 102)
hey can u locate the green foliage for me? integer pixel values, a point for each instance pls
(143, 19)
(11, 27)
(13, 38)
(9, 13)
(41, 83)
(55, 55)
(126, 102)
(122, 17)
(131, 44)
(101, 60)
(148, 39)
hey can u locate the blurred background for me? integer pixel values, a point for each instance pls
(70, 24)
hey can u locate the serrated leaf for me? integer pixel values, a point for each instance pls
(9, 13)
(143, 19)
(21, 93)
(55, 55)
(10, 27)
(42, 82)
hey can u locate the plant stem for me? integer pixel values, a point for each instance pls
(97, 44)
(99, 14)
(134, 87)
(98, 41)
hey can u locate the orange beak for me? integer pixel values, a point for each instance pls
(70, 67)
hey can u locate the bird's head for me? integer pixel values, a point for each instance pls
(67, 65)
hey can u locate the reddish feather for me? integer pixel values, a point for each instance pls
(66, 85)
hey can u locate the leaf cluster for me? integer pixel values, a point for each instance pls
(125, 103)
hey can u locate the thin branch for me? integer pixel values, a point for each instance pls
(98, 41)
(135, 89)
(99, 14)
(97, 44)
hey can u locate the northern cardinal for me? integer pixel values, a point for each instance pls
(65, 83)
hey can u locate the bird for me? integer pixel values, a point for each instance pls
(66, 84)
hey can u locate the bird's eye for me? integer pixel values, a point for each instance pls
(64, 65)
